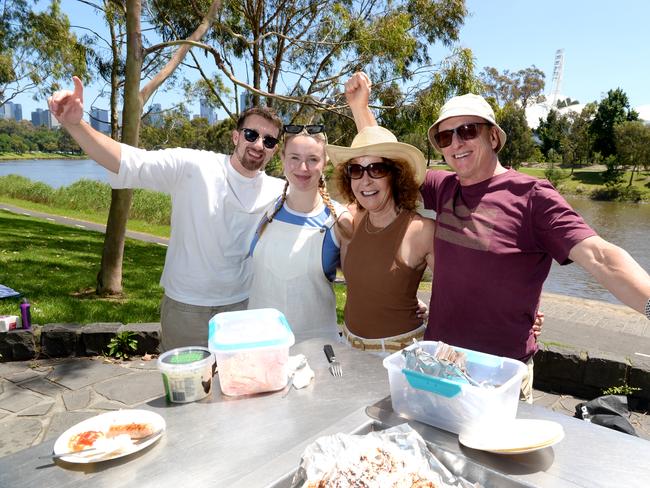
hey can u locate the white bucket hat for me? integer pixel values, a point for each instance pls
(380, 142)
(469, 104)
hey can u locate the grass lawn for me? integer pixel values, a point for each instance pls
(55, 267)
(97, 217)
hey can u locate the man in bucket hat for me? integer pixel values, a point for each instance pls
(496, 234)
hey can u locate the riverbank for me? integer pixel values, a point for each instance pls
(6, 157)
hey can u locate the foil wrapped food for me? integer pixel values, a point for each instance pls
(445, 362)
(393, 458)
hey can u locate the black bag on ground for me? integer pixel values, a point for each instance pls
(609, 411)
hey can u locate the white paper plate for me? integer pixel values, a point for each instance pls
(515, 436)
(102, 423)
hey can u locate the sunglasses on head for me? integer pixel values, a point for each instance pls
(252, 135)
(374, 170)
(297, 129)
(466, 132)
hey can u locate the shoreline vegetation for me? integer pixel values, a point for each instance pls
(38, 155)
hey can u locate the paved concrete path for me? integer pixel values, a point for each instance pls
(80, 224)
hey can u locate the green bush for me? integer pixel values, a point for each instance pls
(15, 186)
(150, 206)
(84, 194)
(555, 175)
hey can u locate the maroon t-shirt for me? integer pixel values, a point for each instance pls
(493, 246)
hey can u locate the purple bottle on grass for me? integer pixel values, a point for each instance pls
(26, 314)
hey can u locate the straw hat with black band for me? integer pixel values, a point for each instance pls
(465, 105)
(379, 142)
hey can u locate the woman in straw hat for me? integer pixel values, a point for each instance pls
(391, 244)
(296, 249)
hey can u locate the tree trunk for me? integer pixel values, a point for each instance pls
(632, 176)
(109, 279)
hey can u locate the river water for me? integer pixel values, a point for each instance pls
(624, 224)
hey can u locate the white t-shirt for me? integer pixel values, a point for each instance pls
(215, 211)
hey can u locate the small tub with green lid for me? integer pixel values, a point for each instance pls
(187, 373)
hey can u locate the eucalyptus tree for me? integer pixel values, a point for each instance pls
(633, 146)
(523, 87)
(612, 110)
(288, 51)
(37, 49)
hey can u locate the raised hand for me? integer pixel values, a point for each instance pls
(357, 90)
(67, 106)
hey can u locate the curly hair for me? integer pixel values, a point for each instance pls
(404, 187)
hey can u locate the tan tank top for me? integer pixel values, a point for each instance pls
(382, 290)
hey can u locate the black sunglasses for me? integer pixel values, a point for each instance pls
(466, 132)
(252, 135)
(297, 129)
(374, 170)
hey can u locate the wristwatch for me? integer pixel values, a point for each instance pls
(647, 309)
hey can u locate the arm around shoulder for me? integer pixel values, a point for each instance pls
(615, 269)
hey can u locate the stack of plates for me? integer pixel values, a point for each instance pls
(516, 436)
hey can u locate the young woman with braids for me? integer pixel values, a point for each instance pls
(296, 249)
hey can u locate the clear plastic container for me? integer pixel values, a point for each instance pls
(456, 406)
(187, 373)
(252, 350)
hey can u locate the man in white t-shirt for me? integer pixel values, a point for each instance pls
(217, 201)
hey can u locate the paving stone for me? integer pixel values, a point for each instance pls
(25, 375)
(133, 388)
(10, 368)
(18, 433)
(62, 421)
(139, 364)
(76, 400)
(78, 373)
(107, 405)
(18, 399)
(545, 399)
(40, 409)
(43, 386)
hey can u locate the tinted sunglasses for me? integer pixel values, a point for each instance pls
(297, 129)
(252, 135)
(374, 170)
(466, 132)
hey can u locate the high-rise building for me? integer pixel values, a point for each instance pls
(11, 111)
(207, 111)
(100, 120)
(154, 115)
(44, 118)
(245, 101)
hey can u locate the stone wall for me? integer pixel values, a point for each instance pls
(63, 340)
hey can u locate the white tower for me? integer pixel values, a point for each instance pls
(558, 68)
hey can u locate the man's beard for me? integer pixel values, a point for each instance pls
(248, 163)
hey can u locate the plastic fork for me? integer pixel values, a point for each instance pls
(335, 366)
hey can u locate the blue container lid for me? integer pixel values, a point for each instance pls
(249, 329)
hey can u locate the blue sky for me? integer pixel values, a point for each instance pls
(606, 45)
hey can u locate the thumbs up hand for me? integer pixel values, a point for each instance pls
(66, 105)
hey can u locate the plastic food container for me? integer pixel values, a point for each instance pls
(252, 350)
(187, 373)
(456, 406)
